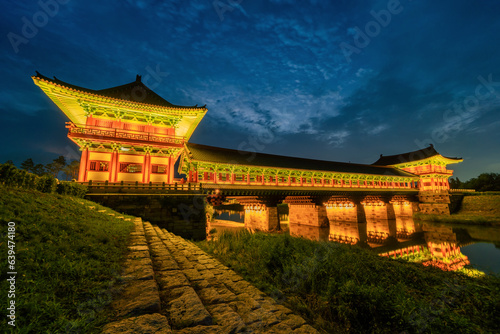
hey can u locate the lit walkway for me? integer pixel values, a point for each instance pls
(172, 286)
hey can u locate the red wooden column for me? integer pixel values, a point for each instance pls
(82, 175)
(190, 176)
(147, 168)
(113, 167)
(171, 167)
(233, 177)
(87, 167)
(248, 178)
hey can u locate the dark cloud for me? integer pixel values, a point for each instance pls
(269, 67)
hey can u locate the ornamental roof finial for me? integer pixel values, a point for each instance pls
(138, 78)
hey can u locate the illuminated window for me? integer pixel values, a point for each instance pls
(159, 169)
(99, 166)
(127, 167)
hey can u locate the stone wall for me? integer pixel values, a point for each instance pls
(434, 203)
(265, 219)
(182, 215)
(308, 214)
(342, 213)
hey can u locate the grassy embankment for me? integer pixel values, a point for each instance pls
(67, 258)
(475, 209)
(343, 289)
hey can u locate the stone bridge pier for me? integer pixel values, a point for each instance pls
(351, 218)
(307, 210)
(261, 212)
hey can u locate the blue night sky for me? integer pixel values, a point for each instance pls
(332, 80)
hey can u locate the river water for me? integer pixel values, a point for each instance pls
(448, 246)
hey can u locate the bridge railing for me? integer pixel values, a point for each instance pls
(462, 190)
(136, 187)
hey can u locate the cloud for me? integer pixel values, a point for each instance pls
(272, 65)
(336, 138)
(375, 130)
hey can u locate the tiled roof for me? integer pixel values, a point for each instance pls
(408, 157)
(205, 153)
(135, 92)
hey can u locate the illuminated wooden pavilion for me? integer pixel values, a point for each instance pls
(427, 163)
(129, 133)
(126, 133)
(226, 167)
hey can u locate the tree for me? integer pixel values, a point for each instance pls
(39, 170)
(56, 166)
(28, 165)
(484, 182)
(455, 183)
(72, 169)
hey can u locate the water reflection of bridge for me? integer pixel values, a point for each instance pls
(400, 237)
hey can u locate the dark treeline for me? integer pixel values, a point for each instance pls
(484, 182)
(56, 167)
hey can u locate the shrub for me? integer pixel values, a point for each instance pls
(46, 184)
(13, 177)
(71, 189)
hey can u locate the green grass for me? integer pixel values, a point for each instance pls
(486, 205)
(67, 259)
(477, 210)
(343, 289)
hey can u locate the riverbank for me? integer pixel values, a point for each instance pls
(67, 253)
(343, 289)
(475, 209)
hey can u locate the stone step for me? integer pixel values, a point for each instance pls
(234, 303)
(182, 305)
(172, 286)
(138, 303)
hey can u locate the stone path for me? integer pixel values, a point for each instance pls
(172, 286)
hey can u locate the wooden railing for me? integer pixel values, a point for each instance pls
(98, 131)
(136, 187)
(462, 190)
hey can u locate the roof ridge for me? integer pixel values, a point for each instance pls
(417, 155)
(126, 92)
(284, 156)
(279, 161)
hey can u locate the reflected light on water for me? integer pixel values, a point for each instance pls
(443, 246)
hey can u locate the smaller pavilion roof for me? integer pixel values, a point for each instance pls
(422, 154)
